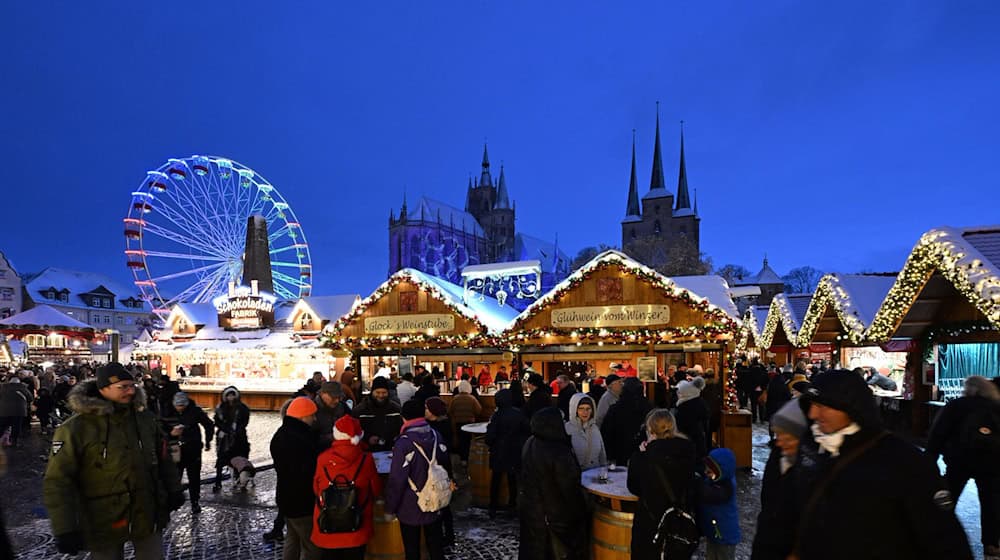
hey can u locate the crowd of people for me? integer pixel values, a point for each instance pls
(123, 440)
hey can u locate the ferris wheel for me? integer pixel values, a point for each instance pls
(186, 227)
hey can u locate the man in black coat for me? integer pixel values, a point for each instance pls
(183, 427)
(330, 407)
(539, 396)
(550, 499)
(294, 449)
(505, 435)
(868, 493)
(622, 425)
(778, 392)
(965, 433)
(566, 391)
(381, 419)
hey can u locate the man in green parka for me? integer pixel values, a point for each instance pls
(109, 479)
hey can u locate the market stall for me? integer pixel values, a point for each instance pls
(779, 336)
(944, 312)
(267, 364)
(414, 319)
(49, 335)
(616, 310)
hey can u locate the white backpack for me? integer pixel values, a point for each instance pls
(436, 493)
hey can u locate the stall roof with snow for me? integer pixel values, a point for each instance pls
(844, 305)
(44, 318)
(788, 312)
(950, 282)
(615, 299)
(416, 310)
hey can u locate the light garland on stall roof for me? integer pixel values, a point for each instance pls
(749, 331)
(779, 312)
(331, 337)
(943, 250)
(831, 293)
(634, 268)
(665, 335)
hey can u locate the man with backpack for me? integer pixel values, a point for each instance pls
(294, 449)
(967, 433)
(418, 487)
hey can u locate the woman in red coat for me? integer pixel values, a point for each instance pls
(344, 458)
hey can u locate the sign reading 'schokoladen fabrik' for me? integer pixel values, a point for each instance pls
(423, 323)
(611, 316)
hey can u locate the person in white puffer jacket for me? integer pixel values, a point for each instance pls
(588, 444)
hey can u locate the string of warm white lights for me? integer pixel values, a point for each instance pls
(830, 292)
(943, 250)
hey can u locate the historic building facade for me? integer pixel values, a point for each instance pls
(442, 240)
(10, 289)
(661, 218)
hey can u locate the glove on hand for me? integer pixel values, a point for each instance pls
(175, 500)
(69, 543)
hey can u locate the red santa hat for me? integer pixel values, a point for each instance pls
(347, 428)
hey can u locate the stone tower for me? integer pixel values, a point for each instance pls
(257, 255)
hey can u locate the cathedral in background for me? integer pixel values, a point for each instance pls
(440, 239)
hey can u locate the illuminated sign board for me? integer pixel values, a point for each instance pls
(429, 323)
(611, 316)
(245, 307)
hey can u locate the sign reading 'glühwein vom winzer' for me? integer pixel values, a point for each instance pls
(611, 316)
(392, 324)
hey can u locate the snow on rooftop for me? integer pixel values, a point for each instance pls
(77, 283)
(44, 316)
(711, 287)
(488, 311)
(798, 304)
(865, 294)
(331, 308)
(551, 258)
(199, 313)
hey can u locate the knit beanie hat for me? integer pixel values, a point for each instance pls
(464, 387)
(413, 408)
(687, 390)
(181, 399)
(535, 379)
(436, 406)
(347, 428)
(300, 407)
(790, 419)
(112, 373)
(848, 392)
(699, 382)
(380, 383)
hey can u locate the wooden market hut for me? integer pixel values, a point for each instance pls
(842, 308)
(748, 340)
(945, 299)
(787, 312)
(614, 309)
(49, 334)
(413, 314)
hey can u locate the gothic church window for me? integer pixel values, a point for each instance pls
(656, 227)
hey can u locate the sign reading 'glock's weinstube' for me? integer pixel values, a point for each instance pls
(611, 316)
(392, 324)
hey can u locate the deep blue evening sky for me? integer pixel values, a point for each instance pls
(822, 133)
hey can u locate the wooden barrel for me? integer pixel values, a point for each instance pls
(387, 540)
(480, 473)
(612, 537)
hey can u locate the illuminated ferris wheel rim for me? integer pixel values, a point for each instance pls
(195, 210)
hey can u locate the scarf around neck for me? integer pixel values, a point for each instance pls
(831, 442)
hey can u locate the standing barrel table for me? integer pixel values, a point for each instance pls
(387, 540)
(611, 537)
(479, 467)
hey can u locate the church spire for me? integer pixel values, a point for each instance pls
(468, 195)
(485, 180)
(503, 201)
(656, 180)
(632, 207)
(402, 210)
(683, 198)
